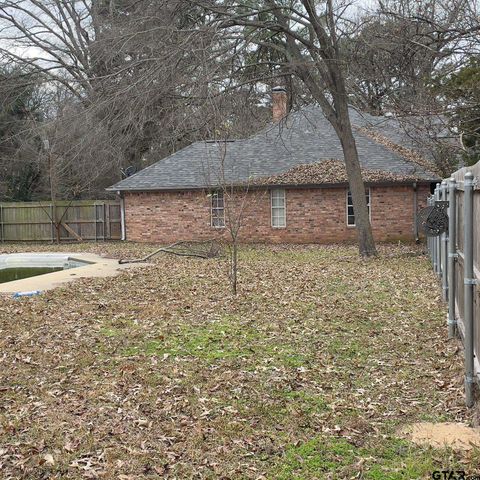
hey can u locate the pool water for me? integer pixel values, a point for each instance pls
(11, 274)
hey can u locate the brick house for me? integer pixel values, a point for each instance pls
(293, 181)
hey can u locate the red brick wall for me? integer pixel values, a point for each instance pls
(313, 215)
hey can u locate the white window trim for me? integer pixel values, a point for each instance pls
(369, 207)
(212, 196)
(284, 207)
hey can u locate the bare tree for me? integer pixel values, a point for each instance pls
(399, 47)
(308, 35)
(231, 203)
(134, 76)
(122, 61)
(400, 60)
(21, 109)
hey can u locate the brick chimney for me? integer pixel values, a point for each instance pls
(279, 103)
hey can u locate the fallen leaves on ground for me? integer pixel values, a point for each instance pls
(161, 373)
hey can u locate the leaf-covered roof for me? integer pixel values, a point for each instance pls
(305, 137)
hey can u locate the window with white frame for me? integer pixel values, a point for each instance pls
(279, 219)
(218, 210)
(350, 214)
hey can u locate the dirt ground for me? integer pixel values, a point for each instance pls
(455, 435)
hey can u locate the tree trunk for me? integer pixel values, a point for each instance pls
(339, 117)
(53, 197)
(234, 266)
(366, 244)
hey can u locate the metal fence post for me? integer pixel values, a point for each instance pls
(429, 250)
(438, 259)
(452, 256)
(468, 287)
(439, 239)
(433, 241)
(444, 246)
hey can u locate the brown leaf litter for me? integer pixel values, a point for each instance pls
(161, 373)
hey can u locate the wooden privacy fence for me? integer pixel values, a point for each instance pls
(63, 220)
(455, 257)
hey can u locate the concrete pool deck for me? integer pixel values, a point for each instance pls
(95, 266)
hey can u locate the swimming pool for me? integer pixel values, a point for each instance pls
(51, 269)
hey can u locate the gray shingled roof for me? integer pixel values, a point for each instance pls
(305, 137)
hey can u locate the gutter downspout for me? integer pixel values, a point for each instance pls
(122, 216)
(415, 212)
(469, 282)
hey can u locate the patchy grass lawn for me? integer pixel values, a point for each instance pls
(161, 373)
